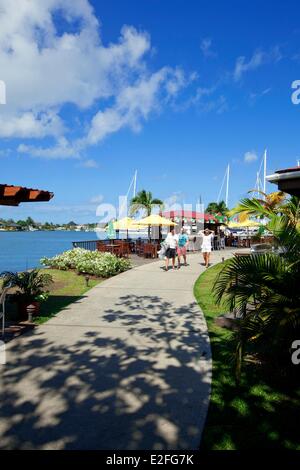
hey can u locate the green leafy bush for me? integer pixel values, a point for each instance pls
(88, 262)
(31, 285)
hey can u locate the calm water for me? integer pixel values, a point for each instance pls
(23, 250)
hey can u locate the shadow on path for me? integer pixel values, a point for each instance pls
(140, 380)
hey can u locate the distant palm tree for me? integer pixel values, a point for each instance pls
(144, 201)
(217, 208)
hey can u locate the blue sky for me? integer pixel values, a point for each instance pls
(175, 89)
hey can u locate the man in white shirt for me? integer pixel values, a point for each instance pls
(171, 241)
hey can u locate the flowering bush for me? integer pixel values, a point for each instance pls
(88, 262)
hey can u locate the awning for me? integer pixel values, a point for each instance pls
(287, 180)
(185, 214)
(13, 195)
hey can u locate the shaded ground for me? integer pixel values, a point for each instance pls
(263, 412)
(127, 366)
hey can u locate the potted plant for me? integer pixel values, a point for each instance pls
(30, 289)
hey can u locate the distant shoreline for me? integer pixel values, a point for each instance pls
(52, 230)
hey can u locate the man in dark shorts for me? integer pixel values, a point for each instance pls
(171, 241)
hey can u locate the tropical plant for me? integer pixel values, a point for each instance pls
(88, 262)
(266, 206)
(31, 285)
(144, 201)
(217, 208)
(264, 288)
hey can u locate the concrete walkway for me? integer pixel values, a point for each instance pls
(126, 367)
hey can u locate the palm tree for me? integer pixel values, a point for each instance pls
(217, 208)
(269, 204)
(144, 201)
(265, 288)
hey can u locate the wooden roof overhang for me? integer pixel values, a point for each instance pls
(13, 195)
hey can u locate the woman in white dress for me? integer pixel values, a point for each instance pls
(207, 239)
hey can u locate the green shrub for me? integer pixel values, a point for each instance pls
(31, 285)
(88, 262)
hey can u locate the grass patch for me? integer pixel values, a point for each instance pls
(260, 413)
(68, 287)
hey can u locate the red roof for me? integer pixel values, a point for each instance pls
(12, 195)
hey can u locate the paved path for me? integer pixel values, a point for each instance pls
(126, 367)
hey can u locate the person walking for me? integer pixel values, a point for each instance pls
(171, 242)
(192, 243)
(207, 240)
(183, 240)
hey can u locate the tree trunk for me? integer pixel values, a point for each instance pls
(149, 227)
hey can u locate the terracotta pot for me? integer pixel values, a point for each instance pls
(22, 309)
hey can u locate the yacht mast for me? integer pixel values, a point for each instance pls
(265, 171)
(227, 186)
(134, 183)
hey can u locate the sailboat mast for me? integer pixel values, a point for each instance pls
(222, 185)
(134, 183)
(265, 171)
(227, 186)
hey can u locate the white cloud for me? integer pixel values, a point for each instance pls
(203, 92)
(258, 59)
(30, 124)
(46, 69)
(206, 103)
(206, 100)
(97, 199)
(5, 152)
(206, 49)
(62, 150)
(90, 163)
(174, 201)
(134, 104)
(255, 96)
(250, 157)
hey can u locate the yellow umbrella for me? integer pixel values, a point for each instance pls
(244, 224)
(126, 224)
(156, 220)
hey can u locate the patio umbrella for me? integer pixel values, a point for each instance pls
(156, 220)
(126, 224)
(245, 224)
